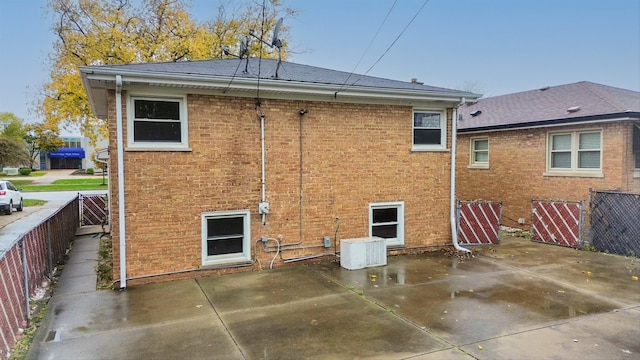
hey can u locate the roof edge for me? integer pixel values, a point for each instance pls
(621, 116)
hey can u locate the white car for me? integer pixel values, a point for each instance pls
(10, 197)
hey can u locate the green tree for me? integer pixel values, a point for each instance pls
(11, 126)
(97, 32)
(12, 153)
(41, 137)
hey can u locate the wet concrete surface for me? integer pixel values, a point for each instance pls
(517, 300)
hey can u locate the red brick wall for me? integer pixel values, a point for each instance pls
(517, 161)
(353, 155)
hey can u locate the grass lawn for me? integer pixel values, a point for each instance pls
(33, 202)
(65, 185)
(26, 184)
(20, 182)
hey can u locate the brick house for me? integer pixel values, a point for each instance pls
(216, 169)
(552, 143)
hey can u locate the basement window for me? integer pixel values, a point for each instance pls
(157, 123)
(226, 237)
(386, 220)
(429, 130)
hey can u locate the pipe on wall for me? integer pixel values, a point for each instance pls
(121, 216)
(452, 200)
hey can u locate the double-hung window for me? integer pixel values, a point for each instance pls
(226, 237)
(386, 220)
(575, 153)
(157, 123)
(479, 154)
(429, 130)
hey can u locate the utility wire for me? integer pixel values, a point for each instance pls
(370, 43)
(343, 87)
(398, 37)
(264, 6)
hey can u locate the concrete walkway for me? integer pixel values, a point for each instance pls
(53, 175)
(518, 300)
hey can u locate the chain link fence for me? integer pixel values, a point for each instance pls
(615, 222)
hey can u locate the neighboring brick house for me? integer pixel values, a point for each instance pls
(552, 143)
(207, 160)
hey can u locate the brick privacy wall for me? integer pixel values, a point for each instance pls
(353, 155)
(517, 161)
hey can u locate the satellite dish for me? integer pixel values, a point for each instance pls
(276, 31)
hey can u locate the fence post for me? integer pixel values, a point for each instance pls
(25, 271)
(582, 233)
(49, 248)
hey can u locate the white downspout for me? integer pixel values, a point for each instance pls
(454, 223)
(121, 218)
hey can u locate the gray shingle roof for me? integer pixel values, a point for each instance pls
(266, 69)
(568, 103)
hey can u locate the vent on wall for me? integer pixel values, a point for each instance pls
(363, 252)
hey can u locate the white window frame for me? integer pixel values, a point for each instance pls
(574, 170)
(399, 205)
(182, 145)
(443, 131)
(472, 153)
(244, 256)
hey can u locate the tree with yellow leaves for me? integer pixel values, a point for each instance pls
(98, 32)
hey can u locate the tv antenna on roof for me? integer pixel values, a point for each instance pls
(275, 41)
(244, 51)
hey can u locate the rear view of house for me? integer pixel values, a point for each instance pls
(214, 168)
(552, 143)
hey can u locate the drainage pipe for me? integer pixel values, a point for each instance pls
(452, 200)
(121, 218)
(301, 258)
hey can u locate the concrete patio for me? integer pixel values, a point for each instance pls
(516, 300)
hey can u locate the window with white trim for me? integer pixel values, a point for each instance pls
(157, 122)
(429, 130)
(226, 237)
(386, 220)
(479, 152)
(577, 151)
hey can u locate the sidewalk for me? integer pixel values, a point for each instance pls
(53, 175)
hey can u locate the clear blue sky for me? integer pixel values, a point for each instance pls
(498, 46)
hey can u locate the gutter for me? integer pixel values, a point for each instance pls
(452, 200)
(121, 216)
(591, 119)
(279, 86)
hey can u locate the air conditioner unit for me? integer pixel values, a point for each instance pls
(363, 252)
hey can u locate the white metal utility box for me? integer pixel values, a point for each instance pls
(363, 252)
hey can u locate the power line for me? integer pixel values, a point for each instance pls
(370, 43)
(387, 50)
(398, 37)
